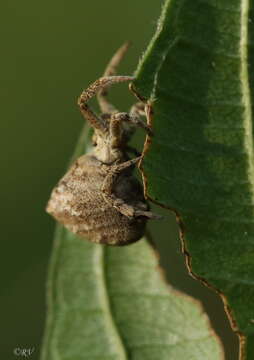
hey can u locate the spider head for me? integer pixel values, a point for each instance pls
(109, 145)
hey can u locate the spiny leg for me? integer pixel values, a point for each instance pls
(107, 188)
(116, 59)
(105, 105)
(136, 111)
(102, 83)
(90, 116)
(113, 200)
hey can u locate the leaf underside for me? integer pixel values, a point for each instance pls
(111, 303)
(197, 74)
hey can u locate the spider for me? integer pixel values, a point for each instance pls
(99, 198)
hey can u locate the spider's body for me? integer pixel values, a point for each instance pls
(79, 204)
(99, 198)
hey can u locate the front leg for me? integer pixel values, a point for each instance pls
(99, 85)
(105, 105)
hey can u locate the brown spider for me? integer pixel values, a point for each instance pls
(99, 198)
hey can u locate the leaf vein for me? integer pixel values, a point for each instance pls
(108, 307)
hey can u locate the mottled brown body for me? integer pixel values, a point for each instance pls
(78, 203)
(99, 198)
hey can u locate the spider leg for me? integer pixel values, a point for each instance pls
(115, 127)
(97, 122)
(109, 196)
(137, 110)
(105, 105)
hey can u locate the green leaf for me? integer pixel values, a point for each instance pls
(197, 72)
(110, 303)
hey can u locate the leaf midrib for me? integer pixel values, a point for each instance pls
(246, 91)
(106, 304)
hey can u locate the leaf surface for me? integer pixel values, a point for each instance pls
(111, 303)
(197, 72)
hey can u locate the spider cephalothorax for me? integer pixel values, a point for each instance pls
(99, 198)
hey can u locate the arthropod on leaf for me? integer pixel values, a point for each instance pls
(99, 198)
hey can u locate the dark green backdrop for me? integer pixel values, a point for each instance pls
(50, 51)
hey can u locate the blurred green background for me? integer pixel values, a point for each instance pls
(50, 51)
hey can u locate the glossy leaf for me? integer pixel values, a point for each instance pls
(197, 72)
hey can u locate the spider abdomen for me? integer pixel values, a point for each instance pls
(79, 204)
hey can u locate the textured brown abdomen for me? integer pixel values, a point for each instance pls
(78, 203)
